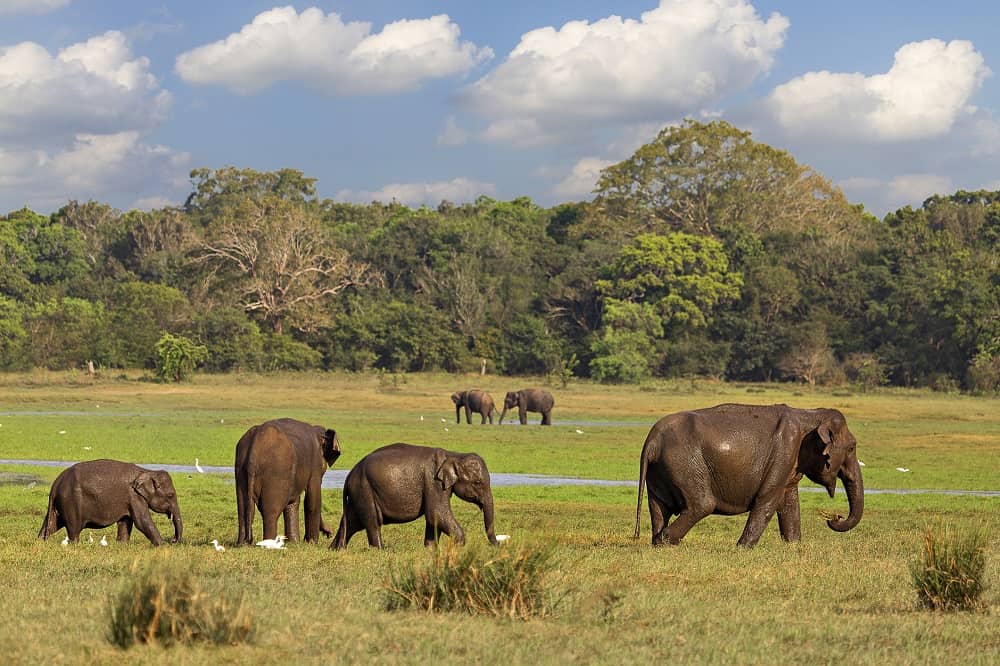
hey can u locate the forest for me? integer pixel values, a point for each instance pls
(705, 253)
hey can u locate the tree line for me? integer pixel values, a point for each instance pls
(704, 253)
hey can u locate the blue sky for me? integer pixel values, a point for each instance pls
(418, 101)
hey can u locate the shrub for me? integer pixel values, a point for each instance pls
(950, 574)
(177, 356)
(163, 603)
(501, 582)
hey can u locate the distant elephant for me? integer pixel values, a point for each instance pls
(473, 400)
(399, 483)
(98, 493)
(731, 459)
(529, 400)
(276, 462)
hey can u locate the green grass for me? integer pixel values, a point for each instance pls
(833, 597)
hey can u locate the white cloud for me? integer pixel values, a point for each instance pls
(452, 134)
(912, 189)
(582, 178)
(31, 6)
(333, 57)
(95, 87)
(675, 59)
(72, 125)
(109, 166)
(457, 190)
(925, 92)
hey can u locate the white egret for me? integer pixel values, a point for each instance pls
(198, 467)
(902, 469)
(104, 540)
(277, 543)
(579, 432)
(65, 541)
(90, 538)
(444, 420)
(446, 430)
(219, 548)
(421, 418)
(62, 432)
(502, 537)
(88, 448)
(861, 463)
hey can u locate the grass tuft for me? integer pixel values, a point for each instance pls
(163, 603)
(950, 575)
(498, 582)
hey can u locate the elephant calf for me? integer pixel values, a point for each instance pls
(731, 459)
(529, 400)
(99, 493)
(276, 462)
(399, 483)
(473, 400)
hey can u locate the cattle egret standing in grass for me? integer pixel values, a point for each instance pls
(104, 540)
(502, 538)
(65, 541)
(444, 420)
(218, 547)
(579, 432)
(198, 467)
(90, 538)
(902, 469)
(861, 463)
(277, 543)
(62, 432)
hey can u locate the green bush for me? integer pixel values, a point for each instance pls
(177, 357)
(163, 603)
(950, 574)
(500, 582)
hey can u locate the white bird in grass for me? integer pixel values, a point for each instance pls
(218, 547)
(88, 448)
(277, 543)
(902, 469)
(104, 540)
(90, 538)
(65, 541)
(579, 432)
(444, 420)
(446, 430)
(861, 463)
(502, 538)
(62, 432)
(198, 467)
(421, 418)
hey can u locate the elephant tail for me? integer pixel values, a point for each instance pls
(643, 465)
(49, 523)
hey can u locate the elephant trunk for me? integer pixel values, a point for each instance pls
(175, 515)
(487, 506)
(850, 475)
(502, 414)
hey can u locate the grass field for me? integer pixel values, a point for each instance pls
(832, 597)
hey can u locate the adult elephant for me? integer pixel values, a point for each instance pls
(400, 482)
(731, 459)
(276, 462)
(99, 493)
(476, 401)
(529, 400)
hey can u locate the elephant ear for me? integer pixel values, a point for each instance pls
(145, 485)
(331, 446)
(825, 433)
(447, 473)
(456, 398)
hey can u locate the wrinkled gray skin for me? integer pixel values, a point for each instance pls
(529, 400)
(99, 493)
(399, 483)
(731, 459)
(276, 462)
(473, 400)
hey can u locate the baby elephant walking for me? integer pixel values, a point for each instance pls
(99, 493)
(399, 483)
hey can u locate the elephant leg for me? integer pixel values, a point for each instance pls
(374, 532)
(243, 536)
(789, 521)
(760, 516)
(522, 415)
(482, 417)
(313, 510)
(547, 418)
(291, 518)
(468, 415)
(349, 526)
(139, 514)
(71, 517)
(686, 519)
(125, 529)
(443, 523)
(657, 519)
(269, 517)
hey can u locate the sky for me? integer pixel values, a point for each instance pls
(421, 101)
